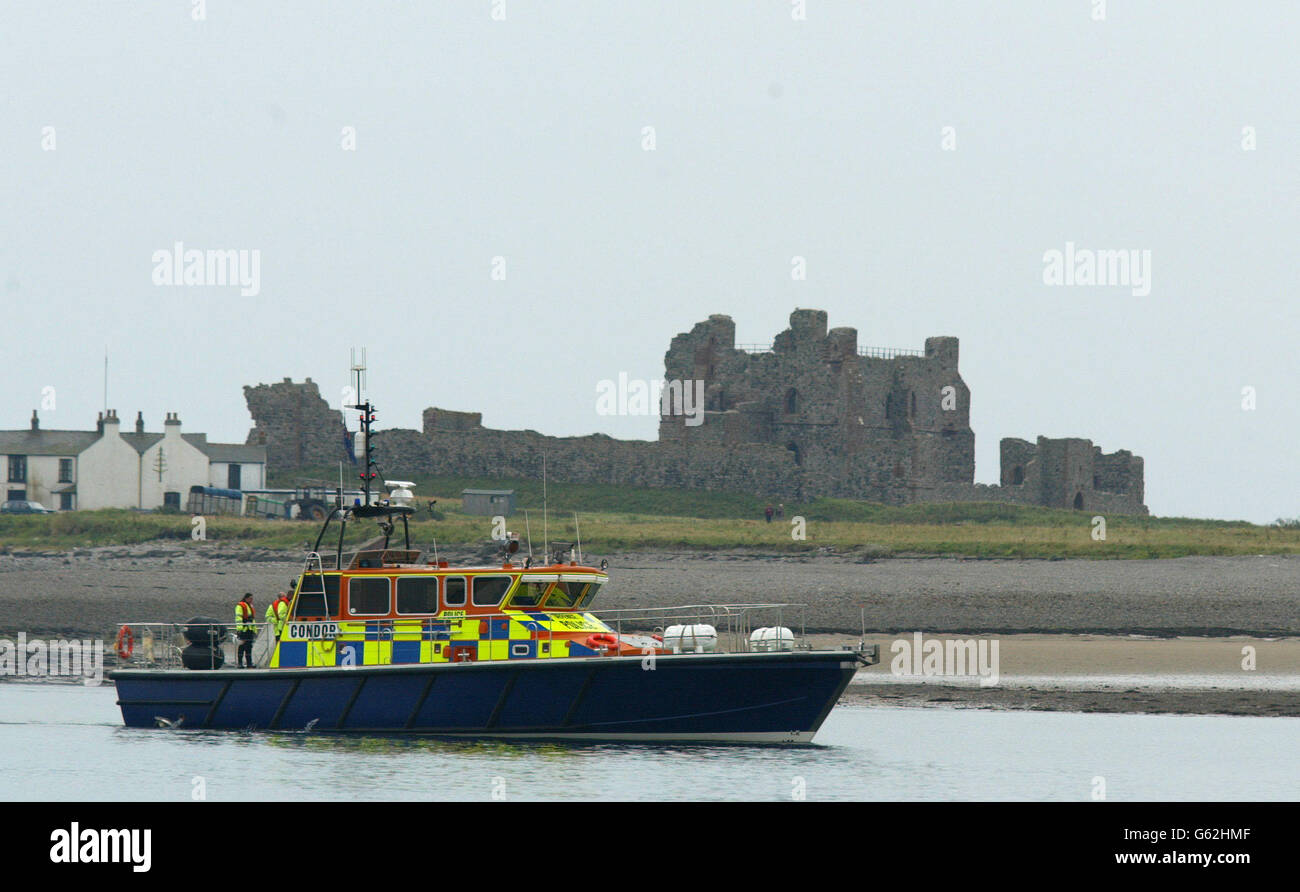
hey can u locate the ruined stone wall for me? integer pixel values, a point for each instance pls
(1016, 456)
(296, 424)
(1073, 473)
(446, 420)
(1119, 472)
(764, 471)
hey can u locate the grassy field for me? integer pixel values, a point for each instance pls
(624, 518)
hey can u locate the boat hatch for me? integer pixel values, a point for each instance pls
(318, 596)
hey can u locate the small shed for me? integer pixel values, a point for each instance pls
(488, 502)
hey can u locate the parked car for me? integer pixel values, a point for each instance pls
(24, 508)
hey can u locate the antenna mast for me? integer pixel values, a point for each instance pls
(367, 418)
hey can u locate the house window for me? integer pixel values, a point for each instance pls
(17, 495)
(17, 469)
(791, 401)
(172, 500)
(232, 477)
(65, 501)
(1017, 475)
(65, 470)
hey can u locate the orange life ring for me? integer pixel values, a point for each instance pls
(125, 643)
(601, 639)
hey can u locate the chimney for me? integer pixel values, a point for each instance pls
(139, 422)
(36, 422)
(99, 423)
(173, 420)
(111, 424)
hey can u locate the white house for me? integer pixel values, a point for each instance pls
(106, 468)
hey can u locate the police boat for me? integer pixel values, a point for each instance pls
(381, 640)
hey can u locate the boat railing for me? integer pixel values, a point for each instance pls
(159, 645)
(734, 623)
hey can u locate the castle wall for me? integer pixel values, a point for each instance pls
(810, 415)
(763, 470)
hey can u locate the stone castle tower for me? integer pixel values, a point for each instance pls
(859, 423)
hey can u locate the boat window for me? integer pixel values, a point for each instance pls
(311, 602)
(368, 597)
(417, 594)
(489, 590)
(572, 594)
(589, 595)
(528, 594)
(565, 594)
(453, 594)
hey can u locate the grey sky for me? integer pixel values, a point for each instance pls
(774, 138)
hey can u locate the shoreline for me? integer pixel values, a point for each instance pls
(1092, 673)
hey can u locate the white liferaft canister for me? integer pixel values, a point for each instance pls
(698, 638)
(771, 638)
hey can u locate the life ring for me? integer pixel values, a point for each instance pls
(125, 643)
(601, 639)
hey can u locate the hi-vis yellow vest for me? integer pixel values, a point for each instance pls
(277, 614)
(244, 615)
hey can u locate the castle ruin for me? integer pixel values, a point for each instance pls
(812, 414)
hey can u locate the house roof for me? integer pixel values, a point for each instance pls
(235, 452)
(140, 442)
(45, 442)
(72, 443)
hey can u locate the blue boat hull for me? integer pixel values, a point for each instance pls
(735, 698)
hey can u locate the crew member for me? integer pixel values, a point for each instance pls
(245, 630)
(277, 614)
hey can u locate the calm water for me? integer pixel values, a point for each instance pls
(62, 742)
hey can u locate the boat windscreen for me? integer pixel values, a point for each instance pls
(528, 594)
(572, 594)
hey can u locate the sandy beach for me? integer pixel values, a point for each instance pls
(1096, 673)
(1116, 636)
